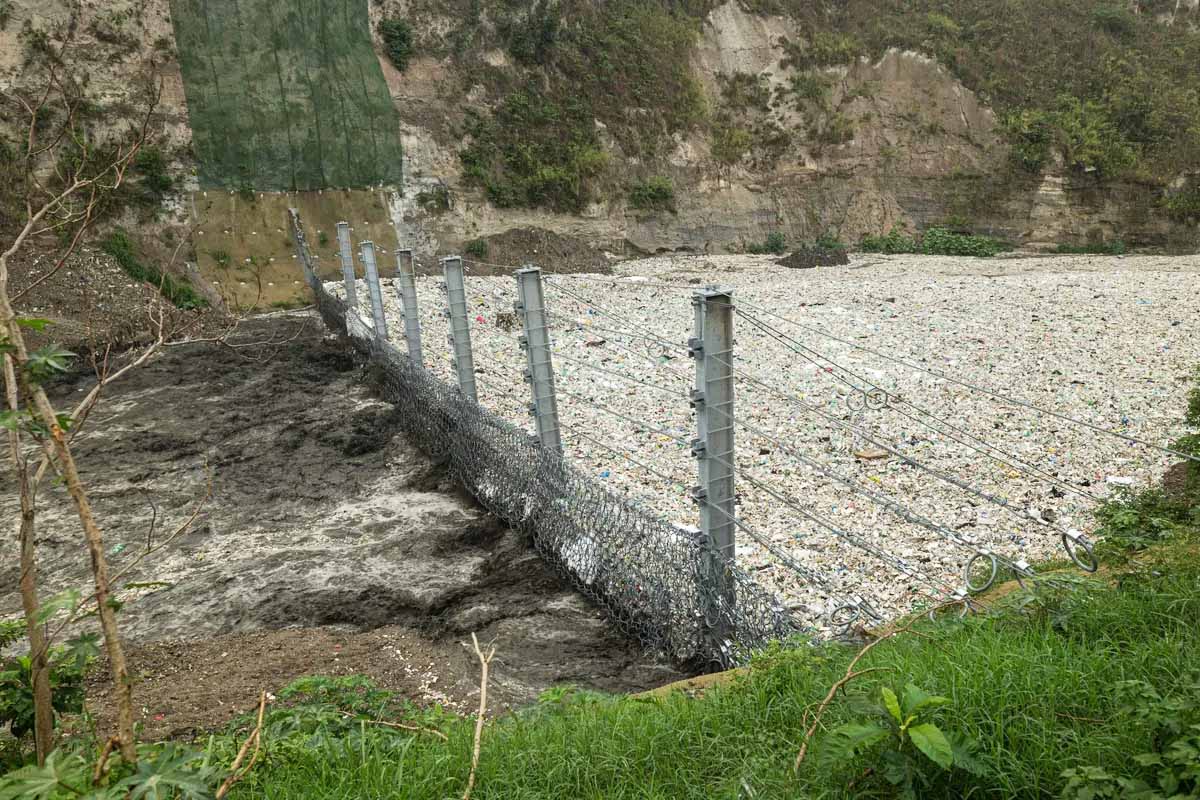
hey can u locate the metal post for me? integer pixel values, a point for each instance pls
(343, 234)
(712, 398)
(460, 327)
(531, 305)
(378, 318)
(407, 283)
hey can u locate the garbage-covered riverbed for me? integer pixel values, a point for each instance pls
(881, 478)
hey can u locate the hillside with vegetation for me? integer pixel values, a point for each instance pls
(1074, 119)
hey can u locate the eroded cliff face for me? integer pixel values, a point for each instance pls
(923, 149)
(121, 50)
(918, 147)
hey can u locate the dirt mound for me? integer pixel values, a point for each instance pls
(554, 252)
(809, 257)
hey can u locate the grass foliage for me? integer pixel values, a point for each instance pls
(122, 248)
(1039, 690)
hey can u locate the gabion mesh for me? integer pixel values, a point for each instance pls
(645, 572)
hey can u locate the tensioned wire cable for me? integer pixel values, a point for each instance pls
(884, 502)
(618, 317)
(1005, 458)
(807, 514)
(807, 573)
(983, 495)
(976, 388)
(585, 326)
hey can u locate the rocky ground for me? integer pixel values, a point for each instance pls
(1110, 341)
(329, 544)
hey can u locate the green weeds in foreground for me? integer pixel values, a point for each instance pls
(1038, 690)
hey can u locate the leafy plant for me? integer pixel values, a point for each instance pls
(891, 243)
(1169, 769)
(154, 179)
(1184, 206)
(67, 668)
(5, 13)
(476, 248)
(397, 39)
(907, 744)
(221, 257)
(435, 199)
(730, 144)
(774, 244)
(163, 772)
(942, 242)
(1115, 20)
(657, 193)
(829, 241)
(535, 151)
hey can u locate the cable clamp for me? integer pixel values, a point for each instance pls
(699, 448)
(695, 346)
(696, 398)
(699, 495)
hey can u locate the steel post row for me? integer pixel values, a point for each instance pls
(407, 287)
(378, 318)
(712, 347)
(347, 254)
(539, 372)
(460, 326)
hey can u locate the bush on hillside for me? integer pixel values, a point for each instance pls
(121, 247)
(774, 244)
(936, 241)
(397, 41)
(653, 194)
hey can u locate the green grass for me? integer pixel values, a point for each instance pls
(1037, 690)
(124, 251)
(285, 96)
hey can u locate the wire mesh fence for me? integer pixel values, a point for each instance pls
(647, 573)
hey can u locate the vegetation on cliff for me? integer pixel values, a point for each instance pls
(1106, 90)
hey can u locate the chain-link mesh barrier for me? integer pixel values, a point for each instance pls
(644, 571)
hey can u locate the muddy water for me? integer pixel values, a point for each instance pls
(329, 544)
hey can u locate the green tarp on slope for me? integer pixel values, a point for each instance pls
(286, 94)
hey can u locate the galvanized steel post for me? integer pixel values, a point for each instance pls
(378, 318)
(343, 235)
(712, 347)
(407, 286)
(460, 327)
(539, 373)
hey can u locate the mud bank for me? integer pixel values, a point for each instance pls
(329, 543)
